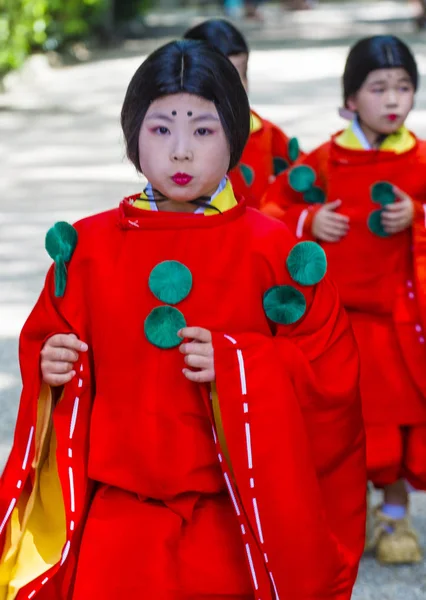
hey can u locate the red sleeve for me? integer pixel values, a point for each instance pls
(293, 425)
(419, 254)
(51, 315)
(293, 207)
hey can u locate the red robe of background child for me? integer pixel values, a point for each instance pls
(268, 153)
(382, 282)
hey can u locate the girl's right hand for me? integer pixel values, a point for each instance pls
(58, 356)
(328, 226)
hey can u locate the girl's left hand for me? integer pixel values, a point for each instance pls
(398, 216)
(198, 353)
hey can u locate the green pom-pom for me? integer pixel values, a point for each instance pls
(162, 325)
(60, 243)
(61, 240)
(293, 149)
(315, 195)
(279, 165)
(247, 174)
(375, 224)
(301, 178)
(284, 304)
(307, 263)
(170, 281)
(382, 193)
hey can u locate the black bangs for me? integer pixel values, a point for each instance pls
(377, 52)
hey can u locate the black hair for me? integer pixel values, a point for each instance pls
(220, 34)
(376, 52)
(189, 67)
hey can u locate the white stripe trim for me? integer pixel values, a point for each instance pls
(214, 435)
(248, 444)
(242, 373)
(253, 572)
(231, 339)
(45, 580)
(274, 586)
(32, 594)
(74, 416)
(18, 485)
(65, 552)
(231, 493)
(27, 451)
(8, 513)
(72, 497)
(245, 407)
(301, 223)
(258, 523)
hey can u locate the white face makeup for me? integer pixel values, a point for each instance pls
(183, 149)
(383, 102)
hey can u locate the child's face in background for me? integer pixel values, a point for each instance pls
(240, 62)
(183, 149)
(384, 100)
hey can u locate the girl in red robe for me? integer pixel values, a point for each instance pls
(362, 196)
(193, 428)
(269, 151)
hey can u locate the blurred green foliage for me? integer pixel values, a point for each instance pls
(41, 25)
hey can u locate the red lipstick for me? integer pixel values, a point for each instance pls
(392, 117)
(182, 178)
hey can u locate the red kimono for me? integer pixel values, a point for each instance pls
(262, 497)
(382, 282)
(268, 153)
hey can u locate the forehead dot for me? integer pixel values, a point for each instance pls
(174, 113)
(189, 113)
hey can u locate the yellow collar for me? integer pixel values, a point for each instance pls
(224, 201)
(255, 123)
(399, 142)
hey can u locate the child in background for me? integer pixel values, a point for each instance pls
(268, 151)
(362, 196)
(207, 442)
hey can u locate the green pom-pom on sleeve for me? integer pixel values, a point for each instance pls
(61, 240)
(382, 193)
(60, 243)
(301, 178)
(162, 325)
(247, 174)
(375, 224)
(283, 304)
(170, 281)
(315, 195)
(307, 263)
(279, 165)
(293, 149)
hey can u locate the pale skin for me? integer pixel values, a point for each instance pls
(181, 133)
(384, 92)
